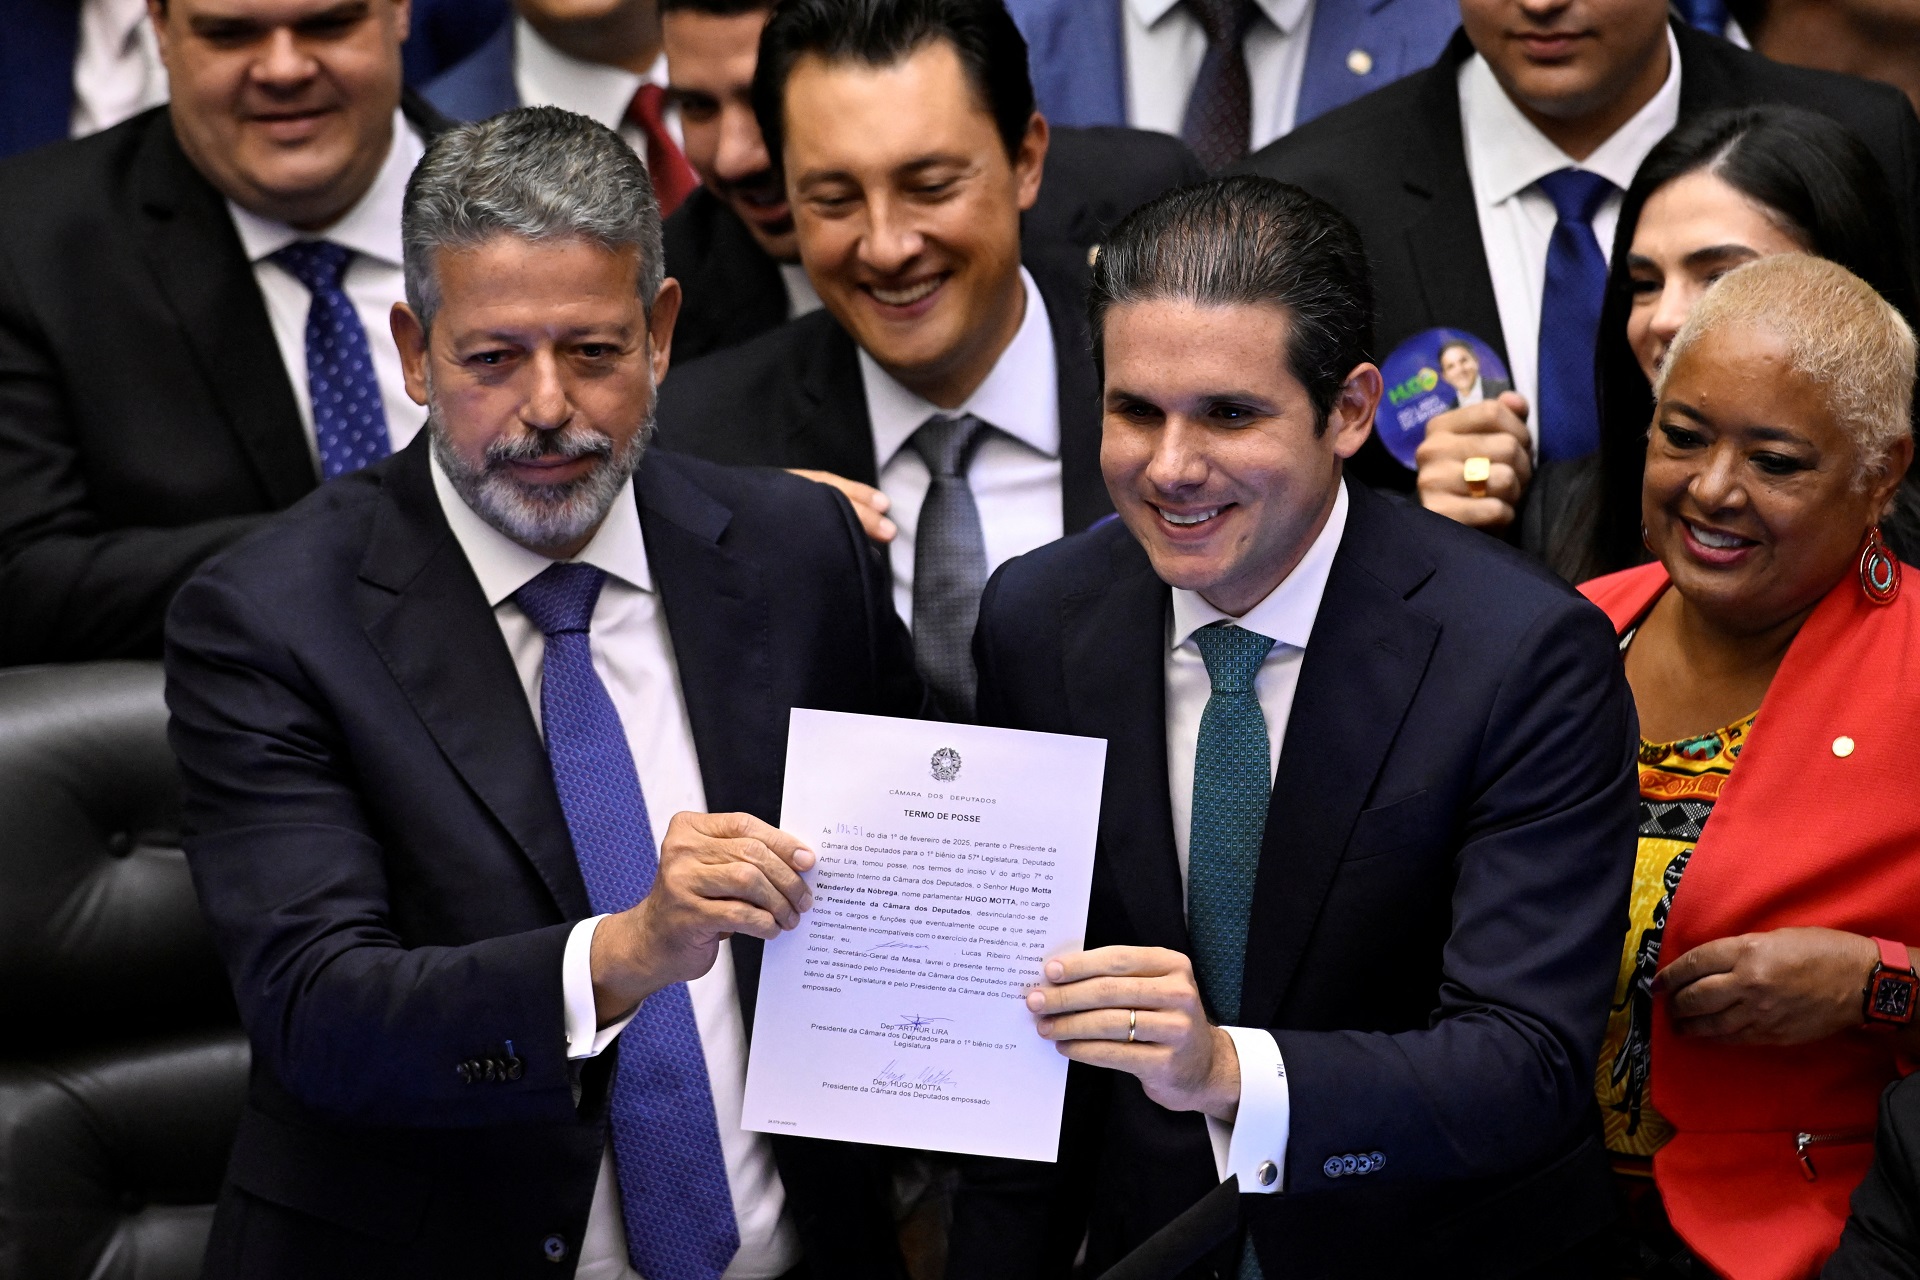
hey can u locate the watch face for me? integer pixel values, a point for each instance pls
(1893, 998)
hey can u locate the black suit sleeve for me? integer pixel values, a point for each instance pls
(73, 589)
(1504, 1071)
(1882, 1237)
(293, 879)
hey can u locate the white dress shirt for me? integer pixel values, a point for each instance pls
(374, 282)
(1478, 391)
(117, 72)
(1015, 475)
(545, 77)
(1260, 1129)
(633, 656)
(1506, 156)
(1165, 45)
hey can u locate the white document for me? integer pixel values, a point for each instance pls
(953, 861)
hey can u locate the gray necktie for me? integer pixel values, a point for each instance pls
(949, 561)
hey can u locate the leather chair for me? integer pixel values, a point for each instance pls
(122, 1065)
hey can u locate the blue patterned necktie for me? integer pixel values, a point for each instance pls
(666, 1142)
(349, 424)
(1232, 783)
(1570, 316)
(949, 560)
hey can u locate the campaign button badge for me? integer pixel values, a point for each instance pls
(1431, 372)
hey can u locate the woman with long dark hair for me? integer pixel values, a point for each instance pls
(1718, 191)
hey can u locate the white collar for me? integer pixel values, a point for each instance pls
(1284, 14)
(548, 77)
(1507, 153)
(1287, 613)
(504, 566)
(371, 228)
(123, 19)
(1021, 396)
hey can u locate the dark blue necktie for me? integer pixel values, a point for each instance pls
(349, 424)
(666, 1142)
(1707, 15)
(1570, 316)
(1232, 782)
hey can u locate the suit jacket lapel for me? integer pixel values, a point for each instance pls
(1062, 278)
(1365, 659)
(831, 431)
(423, 610)
(1116, 686)
(195, 254)
(1448, 255)
(721, 626)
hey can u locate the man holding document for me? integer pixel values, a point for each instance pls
(482, 746)
(1368, 815)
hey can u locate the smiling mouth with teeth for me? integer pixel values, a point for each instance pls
(908, 296)
(1715, 538)
(1198, 517)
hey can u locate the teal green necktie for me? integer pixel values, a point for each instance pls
(1231, 781)
(1231, 784)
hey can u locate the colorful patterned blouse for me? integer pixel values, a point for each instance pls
(1679, 781)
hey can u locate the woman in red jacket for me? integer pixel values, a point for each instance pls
(1767, 984)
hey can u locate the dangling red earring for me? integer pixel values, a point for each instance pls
(1879, 570)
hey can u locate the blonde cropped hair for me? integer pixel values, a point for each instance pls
(1840, 335)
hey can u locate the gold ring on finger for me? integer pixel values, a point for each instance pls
(1133, 1016)
(1476, 472)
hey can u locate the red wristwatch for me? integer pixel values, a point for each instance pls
(1892, 988)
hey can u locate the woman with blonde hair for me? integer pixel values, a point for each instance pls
(1767, 984)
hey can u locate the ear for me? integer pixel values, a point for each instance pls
(660, 318)
(402, 18)
(1030, 161)
(411, 339)
(157, 15)
(1893, 469)
(1351, 421)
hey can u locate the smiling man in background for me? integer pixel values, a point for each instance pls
(949, 366)
(237, 251)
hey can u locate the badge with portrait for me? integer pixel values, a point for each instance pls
(1428, 374)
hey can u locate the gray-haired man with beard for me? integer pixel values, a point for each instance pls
(482, 745)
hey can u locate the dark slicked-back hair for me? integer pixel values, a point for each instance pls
(880, 33)
(1248, 241)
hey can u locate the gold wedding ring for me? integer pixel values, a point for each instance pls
(1476, 472)
(1132, 1017)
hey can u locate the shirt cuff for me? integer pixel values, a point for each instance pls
(1256, 1142)
(586, 1038)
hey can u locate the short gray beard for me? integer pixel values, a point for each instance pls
(544, 517)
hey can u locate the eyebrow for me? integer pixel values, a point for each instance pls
(1781, 435)
(910, 168)
(247, 24)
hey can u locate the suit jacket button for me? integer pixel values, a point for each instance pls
(1349, 1164)
(1332, 1168)
(555, 1248)
(1267, 1174)
(465, 1071)
(1365, 1163)
(514, 1069)
(1379, 1161)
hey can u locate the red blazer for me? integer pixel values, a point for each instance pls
(1800, 835)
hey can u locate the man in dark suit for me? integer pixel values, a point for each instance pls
(45, 96)
(601, 59)
(941, 369)
(1451, 176)
(193, 315)
(732, 246)
(1386, 765)
(1116, 62)
(439, 930)
(1882, 1236)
